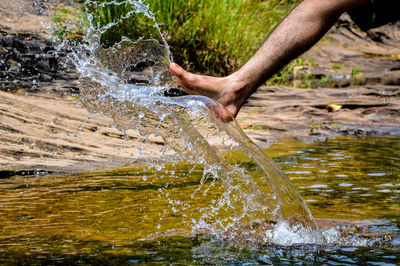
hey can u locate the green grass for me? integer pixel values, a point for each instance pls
(286, 75)
(67, 23)
(336, 66)
(332, 127)
(213, 37)
(258, 127)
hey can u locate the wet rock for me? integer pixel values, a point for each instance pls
(41, 132)
(391, 78)
(351, 57)
(276, 112)
(29, 61)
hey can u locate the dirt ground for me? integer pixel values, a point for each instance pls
(38, 127)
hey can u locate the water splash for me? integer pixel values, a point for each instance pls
(127, 82)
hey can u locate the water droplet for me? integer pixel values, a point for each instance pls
(54, 121)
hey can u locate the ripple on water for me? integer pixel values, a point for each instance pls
(318, 186)
(109, 212)
(377, 174)
(345, 184)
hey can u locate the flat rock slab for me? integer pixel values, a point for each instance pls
(49, 132)
(347, 56)
(276, 112)
(27, 15)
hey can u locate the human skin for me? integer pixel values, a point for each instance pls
(299, 31)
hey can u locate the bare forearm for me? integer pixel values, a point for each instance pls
(298, 32)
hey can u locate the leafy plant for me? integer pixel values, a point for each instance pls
(354, 72)
(286, 76)
(212, 37)
(355, 76)
(67, 23)
(336, 66)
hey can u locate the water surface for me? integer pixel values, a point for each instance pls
(144, 215)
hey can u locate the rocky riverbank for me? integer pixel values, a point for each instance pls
(359, 73)
(40, 118)
(318, 114)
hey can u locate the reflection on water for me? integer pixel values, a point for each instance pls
(141, 215)
(346, 178)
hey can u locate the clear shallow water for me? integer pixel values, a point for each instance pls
(141, 215)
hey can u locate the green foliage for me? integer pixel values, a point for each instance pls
(354, 72)
(355, 76)
(303, 79)
(316, 126)
(336, 66)
(332, 127)
(67, 23)
(212, 37)
(286, 76)
(258, 127)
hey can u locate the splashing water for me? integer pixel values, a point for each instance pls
(127, 82)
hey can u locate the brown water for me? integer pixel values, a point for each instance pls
(142, 215)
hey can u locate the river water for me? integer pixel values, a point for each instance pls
(142, 215)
